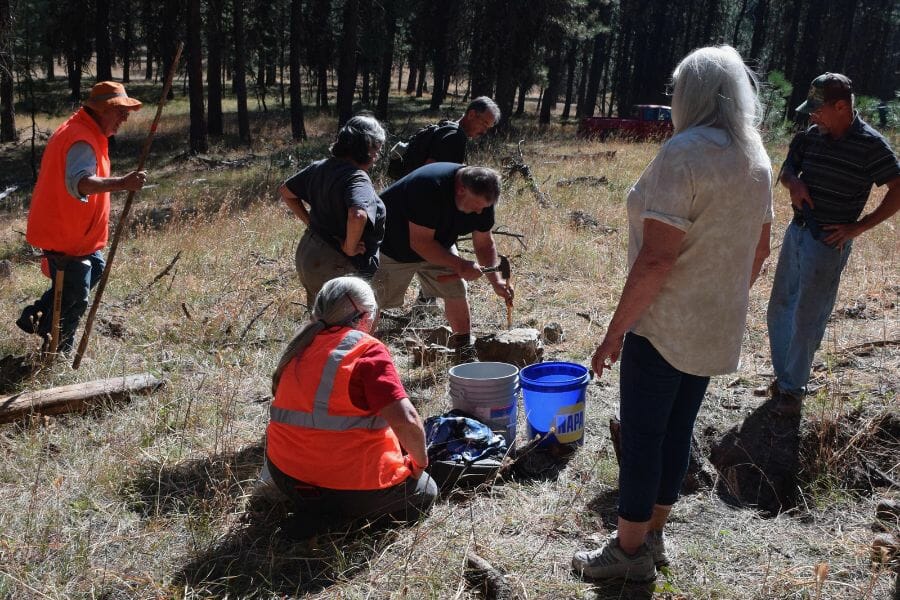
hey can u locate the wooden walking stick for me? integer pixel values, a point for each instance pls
(123, 218)
(58, 281)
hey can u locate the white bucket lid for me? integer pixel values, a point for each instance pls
(483, 371)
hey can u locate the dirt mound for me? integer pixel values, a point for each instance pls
(769, 460)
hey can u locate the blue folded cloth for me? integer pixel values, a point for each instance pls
(457, 437)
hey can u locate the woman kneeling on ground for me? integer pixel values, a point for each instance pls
(699, 219)
(345, 219)
(340, 417)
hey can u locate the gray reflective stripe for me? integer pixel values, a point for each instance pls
(108, 96)
(319, 417)
(327, 422)
(326, 383)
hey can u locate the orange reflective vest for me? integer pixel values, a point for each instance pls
(57, 221)
(317, 435)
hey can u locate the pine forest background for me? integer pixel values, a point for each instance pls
(580, 57)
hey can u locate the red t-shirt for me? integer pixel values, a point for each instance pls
(375, 382)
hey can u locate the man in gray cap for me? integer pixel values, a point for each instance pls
(829, 171)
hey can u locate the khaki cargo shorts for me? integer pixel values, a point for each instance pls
(318, 262)
(393, 278)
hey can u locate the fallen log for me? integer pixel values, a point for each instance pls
(75, 397)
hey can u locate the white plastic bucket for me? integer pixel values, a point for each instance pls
(488, 391)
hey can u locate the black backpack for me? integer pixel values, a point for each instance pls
(406, 157)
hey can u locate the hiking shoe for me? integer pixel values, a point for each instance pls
(611, 562)
(423, 299)
(465, 354)
(785, 404)
(656, 544)
(767, 391)
(29, 321)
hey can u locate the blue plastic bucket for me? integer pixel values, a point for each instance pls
(553, 394)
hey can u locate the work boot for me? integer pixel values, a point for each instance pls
(427, 306)
(611, 562)
(30, 320)
(656, 543)
(423, 299)
(784, 404)
(464, 350)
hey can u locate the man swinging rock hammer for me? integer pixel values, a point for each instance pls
(69, 215)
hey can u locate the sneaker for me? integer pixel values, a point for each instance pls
(656, 544)
(611, 562)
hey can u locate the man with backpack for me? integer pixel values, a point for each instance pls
(444, 141)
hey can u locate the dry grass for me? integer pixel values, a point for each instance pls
(155, 498)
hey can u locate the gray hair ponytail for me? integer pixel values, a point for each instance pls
(342, 302)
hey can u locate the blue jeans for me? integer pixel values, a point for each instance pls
(81, 274)
(803, 295)
(658, 406)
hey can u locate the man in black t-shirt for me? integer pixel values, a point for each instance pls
(426, 212)
(449, 141)
(448, 144)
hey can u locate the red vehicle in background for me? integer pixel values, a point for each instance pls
(647, 122)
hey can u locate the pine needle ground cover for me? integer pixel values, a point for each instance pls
(156, 497)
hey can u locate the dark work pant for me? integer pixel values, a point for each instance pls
(658, 407)
(81, 274)
(326, 508)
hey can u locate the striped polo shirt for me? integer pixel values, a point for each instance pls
(839, 173)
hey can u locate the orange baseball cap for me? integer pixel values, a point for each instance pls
(107, 94)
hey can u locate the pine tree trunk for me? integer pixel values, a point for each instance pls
(195, 79)
(387, 58)
(571, 63)
(554, 77)
(101, 33)
(441, 17)
(760, 27)
(298, 128)
(127, 49)
(49, 58)
(413, 74)
(73, 74)
(320, 44)
(593, 86)
(7, 97)
(214, 66)
(523, 93)
(240, 73)
(347, 63)
(582, 81)
(420, 84)
(172, 13)
(366, 93)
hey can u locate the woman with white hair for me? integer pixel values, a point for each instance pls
(699, 220)
(345, 218)
(340, 419)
